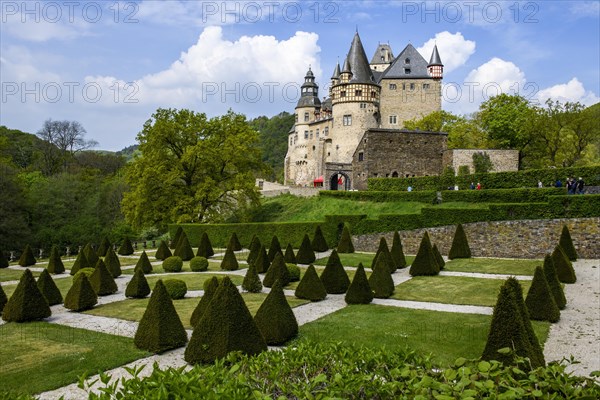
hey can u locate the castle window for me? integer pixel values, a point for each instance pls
(373, 94)
(392, 86)
(317, 133)
(305, 134)
(361, 156)
(313, 148)
(328, 153)
(363, 105)
(358, 92)
(306, 156)
(412, 86)
(375, 174)
(407, 61)
(296, 119)
(347, 120)
(332, 96)
(393, 119)
(306, 116)
(404, 86)
(407, 71)
(326, 131)
(387, 175)
(291, 141)
(343, 93)
(394, 174)
(426, 86)
(311, 134)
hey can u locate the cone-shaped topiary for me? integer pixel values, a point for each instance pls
(138, 287)
(205, 248)
(251, 281)
(144, 264)
(537, 355)
(564, 268)
(460, 245)
(345, 245)
(104, 246)
(111, 260)
(310, 286)
(289, 255)
(359, 291)
(3, 299)
(229, 262)
(102, 281)
(425, 263)
(277, 271)
(27, 303)
(319, 243)
(381, 281)
(81, 262)
(81, 296)
(184, 250)
(567, 244)
(27, 259)
(226, 326)
(274, 248)
(262, 260)
(176, 237)
(3, 260)
(438, 257)
(160, 329)
(554, 283)
(507, 330)
(305, 255)
(55, 264)
(126, 248)
(234, 242)
(540, 300)
(275, 318)
(254, 249)
(163, 251)
(397, 252)
(383, 251)
(334, 276)
(209, 292)
(49, 289)
(90, 254)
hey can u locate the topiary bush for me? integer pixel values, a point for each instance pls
(384, 252)
(3, 299)
(277, 271)
(137, 287)
(275, 318)
(310, 286)
(234, 243)
(160, 329)
(163, 252)
(183, 249)
(319, 243)
(102, 281)
(3, 260)
(55, 264)
(359, 291)
(144, 264)
(81, 262)
(540, 300)
(397, 252)
(226, 326)
(176, 288)
(438, 257)
(567, 244)
(173, 264)
(104, 246)
(251, 281)
(289, 255)
(90, 254)
(334, 276)
(27, 259)
(293, 271)
(199, 264)
(460, 244)
(126, 248)
(84, 271)
(205, 248)
(254, 249)
(210, 287)
(111, 260)
(564, 268)
(49, 289)
(229, 262)
(27, 303)
(305, 255)
(274, 248)
(554, 283)
(262, 260)
(81, 296)
(345, 245)
(424, 263)
(176, 237)
(381, 281)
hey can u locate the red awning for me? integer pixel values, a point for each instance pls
(318, 180)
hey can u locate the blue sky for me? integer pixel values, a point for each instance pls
(110, 65)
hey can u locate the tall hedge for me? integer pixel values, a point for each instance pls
(160, 328)
(319, 243)
(359, 291)
(460, 244)
(564, 268)
(567, 244)
(438, 257)
(289, 255)
(104, 246)
(381, 280)
(90, 254)
(126, 248)
(137, 287)
(425, 263)
(49, 289)
(55, 264)
(3, 299)
(384, 253)
(209, 292)
(305, 254)
(205, 248)
(102, 281)
(334, 276)
(254, 249)
(274, 248)
(144, 264)
(252, 281)
(229, 262)
(163, 252)
(27, 303)
(111, 260)
(27, 259)
(262, 260)
(184, 249)
(81, 262)
(397, 252)
(81, 296)
(554, 283)
(345, 245)
(176, 237)
(234, 242)
(275, 318)
(3, 260)
(277, 271)
(540, 300)
(310, 286)
(226, 326)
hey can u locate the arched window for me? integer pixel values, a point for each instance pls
(395, 174)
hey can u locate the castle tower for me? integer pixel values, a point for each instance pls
(435, 66)
(382, 58)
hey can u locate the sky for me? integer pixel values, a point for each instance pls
(111, 64)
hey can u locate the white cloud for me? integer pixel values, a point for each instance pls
(572, 91)
(454, 49)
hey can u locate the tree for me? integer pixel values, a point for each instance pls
(111, 260)
(277, 272)
(359, 291)
(205, 248)
(425, 262)
(310, 286)
(271, 131)
(27, 259)
(397, 252)
(81, 295)
(275, 318)
(345, 245)
(137, 287)
(251, 281)
(163, 252)
(482, 162)
(566, 243)
(305, 254)
(254, 249)
(27, 303)
(144, 264)
(49, 289)
(381, 280)
(334, 276)
(463, 133)
(102, 281)
(210, 287)
(14, 229)
(564, 267)
(460, 244)
(319, 243)
(191, 168)
(540, 299)
(290, 256)
(274, 248)
(554, 283)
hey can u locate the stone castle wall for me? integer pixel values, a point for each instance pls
(407, 103)
(503, 160)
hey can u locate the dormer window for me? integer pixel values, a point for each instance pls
(407, 61)
(306, 116)
(407, 71)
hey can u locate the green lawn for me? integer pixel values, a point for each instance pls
(43, 356)
(493, 266)
(13, 274)
(447, 336)
(352, 259)
(453, 290)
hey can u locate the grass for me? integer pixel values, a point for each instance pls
(493, 266)
(447, 336)
(453, 290)
(194, 281)
(13, 274)
(43, 356)
(294, 285)
(352, 259)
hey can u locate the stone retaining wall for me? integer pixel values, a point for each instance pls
(512, 239)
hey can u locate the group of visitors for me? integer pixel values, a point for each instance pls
(574, 186)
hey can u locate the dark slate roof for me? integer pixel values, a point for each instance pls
(377, 75)
(435, 57)
(346, 67)
(359, 65)
(382, 48)
(309, 101)
(326, 104)
(417, 66)
(336, 71)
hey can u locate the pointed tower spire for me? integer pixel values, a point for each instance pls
(336, 71)
(359, 64)
(435, 57)
(435, 66)
(309, 96)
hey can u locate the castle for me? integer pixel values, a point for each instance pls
(356, 132)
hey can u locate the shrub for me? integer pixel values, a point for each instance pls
(210, 287)
(160, 329)
(226, 326)
(27, 259)
(274, 248)
(567, 244)
(425, 263)
(293, 271)
(438, 257)
(397, 252)
(305, 255)
(310, 286)
(163, 251)
(205, 248)
(540, 300)
(27, 303)
(482, 163)
(359, 291)
(275, 318)
(81, 296)
(84, 271)
(104, 246)
(319, 243)
(111, 260)
(81, 262)
(460, 245)
(564, 268)
(234, 243)
(345, 245)
(183, 249)
(3, 260)
(144, 264)
(3, 299)
(262, 261)
(277, 271)
(126, 248)
(102, 281)
(554, 283)
(384, 253)
(334, 276)
(229, 262)
(138, 287)
(173, 264)
(251, 281)
(176, 288)
(381, 281)
(90, 254)
(176, 237)
(55, 264)
(464, 170)
(254, 249)
(199, 264)
(289, 255)
(49, 289)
